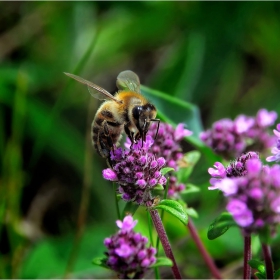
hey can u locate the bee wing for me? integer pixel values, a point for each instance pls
(128, 80)
(94, 90)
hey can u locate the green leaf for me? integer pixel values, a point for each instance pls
(190, 188)
(260, 275)
(258, 265)
(130, 208)
(220, 225)
(101, 261)
(277, 274)
(162, 261)
(158, 187)
(56, 251)
(174, 208)
(181, 111)
(165, 170)
(187, 164)
(191, 212)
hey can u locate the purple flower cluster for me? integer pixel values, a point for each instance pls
(127, 252)
(230, 138)
(236, 168)
(137, 171)
(275, 150)
(224, 139)
(167, 145)
(167, 142)
(253, 194)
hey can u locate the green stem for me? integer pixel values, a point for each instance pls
(117, 202)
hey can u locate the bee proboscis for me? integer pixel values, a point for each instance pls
(128, 110)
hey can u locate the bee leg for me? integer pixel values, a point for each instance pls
(129, 134)
(108, 136)
(102, 148)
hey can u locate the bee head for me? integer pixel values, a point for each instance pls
(143, 115)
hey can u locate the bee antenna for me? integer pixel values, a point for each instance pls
(158, 121)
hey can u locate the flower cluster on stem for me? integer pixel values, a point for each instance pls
(127, 252)
(136, 171)
(167, 145)
(253, 194)
(231, 138)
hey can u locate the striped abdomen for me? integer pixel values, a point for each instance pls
(107, 128)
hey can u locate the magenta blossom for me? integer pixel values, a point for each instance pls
(127, 253)
(224, 139)
(167, 142)
(136, 171)
(275, 150)
(235, 169)
(167, 145)
(231, 138)
(253, 195)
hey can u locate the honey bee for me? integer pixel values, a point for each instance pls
(128, 110)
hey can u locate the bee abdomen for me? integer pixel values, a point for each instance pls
(105, 134)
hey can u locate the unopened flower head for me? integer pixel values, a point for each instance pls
(253, 196)
(136, 171)
(128, 254)
(175, 188)
(275, 150)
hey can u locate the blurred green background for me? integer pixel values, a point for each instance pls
(55, 208)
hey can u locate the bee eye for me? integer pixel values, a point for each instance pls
(136, 112)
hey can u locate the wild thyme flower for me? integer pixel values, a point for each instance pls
(127, 253)
(136, 171)
(230, 138)
(224, 138)
(275, 150)
(167, 143)
(258, 133)
(252, 191)
(254, 199)
(236, 168)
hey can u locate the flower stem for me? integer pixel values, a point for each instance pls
(164, 241)
(268, 261)
(156, 270)
(205, 255)
(247, 257)
(84, 203)
(116, 201)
